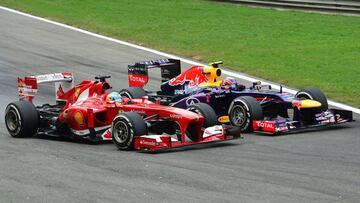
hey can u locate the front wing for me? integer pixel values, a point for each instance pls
(212, 134)
(330, 117)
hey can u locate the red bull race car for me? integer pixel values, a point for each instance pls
(254, 108)
(89, 111)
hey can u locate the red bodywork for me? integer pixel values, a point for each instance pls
(87, 110)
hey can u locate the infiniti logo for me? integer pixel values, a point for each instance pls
(191, 101)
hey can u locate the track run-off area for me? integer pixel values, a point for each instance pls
(315, 166)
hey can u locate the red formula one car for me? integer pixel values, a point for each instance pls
(89, 111)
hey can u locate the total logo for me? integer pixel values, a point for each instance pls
(265, 124)
(136, 79)
(191, 101)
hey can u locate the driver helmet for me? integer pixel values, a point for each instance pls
(114, 96)
(230, 81)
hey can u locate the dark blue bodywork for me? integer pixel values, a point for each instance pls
(220, 98)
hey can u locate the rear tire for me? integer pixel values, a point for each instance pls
(133, 92)
(210, 118)
(21, 119)
(125, 128)
(243, 111)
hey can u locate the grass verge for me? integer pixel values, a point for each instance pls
(293, 48)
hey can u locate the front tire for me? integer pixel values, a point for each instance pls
(314, 94)
(243, 111)
(308, 115)
(21, 119)
(210, 118)
(125, 128)
(133, 92)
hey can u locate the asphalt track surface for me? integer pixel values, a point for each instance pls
(317, 166)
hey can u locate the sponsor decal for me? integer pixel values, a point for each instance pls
(224, 119)
(27, 91)
(138, 111)
(60, 91)
(79, 118)
(219, 96)
(193, 75)
(207, 132)
(265, 124)
(144, 142)
(107, 135)
(179, 92)
(49, 77)
(191, 101)
(282, 129)
(21, 82)
(134, 78)
(165, 71)
(175, 116)
(77, 92)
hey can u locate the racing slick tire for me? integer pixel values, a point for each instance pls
(21, 119)
(125, 128)
(243, 111)
(205, 110)
(314, 94)
(308, 115)
(133, 92)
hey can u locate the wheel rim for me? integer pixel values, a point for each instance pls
(121, 132)
(238, 116)
(12, 120)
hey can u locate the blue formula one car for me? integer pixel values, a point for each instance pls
(253, 108)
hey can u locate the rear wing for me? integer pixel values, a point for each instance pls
(138, 73)
(28, 86)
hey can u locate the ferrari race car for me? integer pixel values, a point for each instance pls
(253, 108)
(89, 111)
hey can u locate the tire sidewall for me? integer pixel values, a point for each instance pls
(247, 124)
(126, 94)
(127, 144)
(314, 94)
(18, 130)
(210, 118)
(133, 92)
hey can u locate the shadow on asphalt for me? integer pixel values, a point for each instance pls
(68, 139)
(170, 150)
(194, 147)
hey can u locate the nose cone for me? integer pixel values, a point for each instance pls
(307, 103)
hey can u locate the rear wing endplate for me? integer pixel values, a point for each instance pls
(138, 73)
(28, 86)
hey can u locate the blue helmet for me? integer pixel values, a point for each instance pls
(114, 96)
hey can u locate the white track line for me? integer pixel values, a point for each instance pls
(230, 73)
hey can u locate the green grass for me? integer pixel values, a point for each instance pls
(293, 48)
